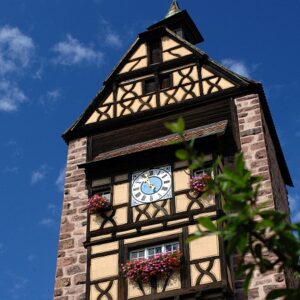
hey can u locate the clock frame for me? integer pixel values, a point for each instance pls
(151, 185)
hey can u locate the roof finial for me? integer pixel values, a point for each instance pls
(174, 9)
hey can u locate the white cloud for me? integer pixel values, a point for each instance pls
(38, 175)
(237, 66)
(16, 50)
(9, 170)
(60, 181)
(52, 208)
(50, 97)
(47, 222)
(16, 53)
(11, 96)
(18, 284)
(113, 39)
(31, 257)
(294, 201)
(72, 52)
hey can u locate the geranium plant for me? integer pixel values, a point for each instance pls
(150, 270)
(199, 183)
(98, 203)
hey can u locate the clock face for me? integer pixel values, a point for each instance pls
(151, 185)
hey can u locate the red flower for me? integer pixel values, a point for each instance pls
(199, 183)
(98, 203)
(144, 270)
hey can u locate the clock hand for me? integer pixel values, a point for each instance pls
(150, 184)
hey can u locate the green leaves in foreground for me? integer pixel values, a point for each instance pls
(248, 228)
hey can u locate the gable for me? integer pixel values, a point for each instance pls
(189, 82)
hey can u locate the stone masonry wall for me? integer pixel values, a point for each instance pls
(71, 259)
(259, 154)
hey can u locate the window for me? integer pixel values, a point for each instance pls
(150, 86)
(155, 52)
(165, 81)
(150, 252)
(202, 172)
(106, 192)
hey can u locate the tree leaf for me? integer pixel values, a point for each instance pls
(182, 154)
(207, 223)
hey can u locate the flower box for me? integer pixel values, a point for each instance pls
(149, 271)
(199, 183)
(98, 203)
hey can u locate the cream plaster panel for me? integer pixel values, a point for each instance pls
(120, 110)
(99, 267)
(179, 95)
(206, 73)
(173, 284)
(150, 237)
(181, 221)
(177, 68)
(134, 291)
(110, 112)
(204, 247)
(168, 43)
(101, 237)
(181, 180)
(122, 233)
(121, 216)
(208, 200)
(174, 55)
(93, 118)
(152, 102)
(143, 63)
(168, 56)
(113, 290)
(206, 87)
(152, 226)
(216, 271)
(225, 84)
(152, 209)
(96, 221)
(120, 193)
(105, 247)
(141, 51)
(135, 214)
(137, 90)
(193, 228)
(182, 203)
(109, 99)
(127, 67)
(177, 77)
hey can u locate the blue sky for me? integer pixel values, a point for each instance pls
(54, 56)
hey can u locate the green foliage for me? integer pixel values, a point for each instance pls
(247, 226)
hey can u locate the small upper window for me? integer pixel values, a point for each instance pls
(155, 52)
(150, 252)
(165, 81)
(150, 85)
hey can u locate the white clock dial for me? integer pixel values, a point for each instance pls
(151, 185)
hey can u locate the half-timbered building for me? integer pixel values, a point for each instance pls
(119, 148)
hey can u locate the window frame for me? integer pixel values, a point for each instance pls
(155, 42)
(146, 250)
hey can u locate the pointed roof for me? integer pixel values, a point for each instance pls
(173, 10)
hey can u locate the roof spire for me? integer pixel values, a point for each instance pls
(174, 9)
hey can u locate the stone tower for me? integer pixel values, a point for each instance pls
(120, 150)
